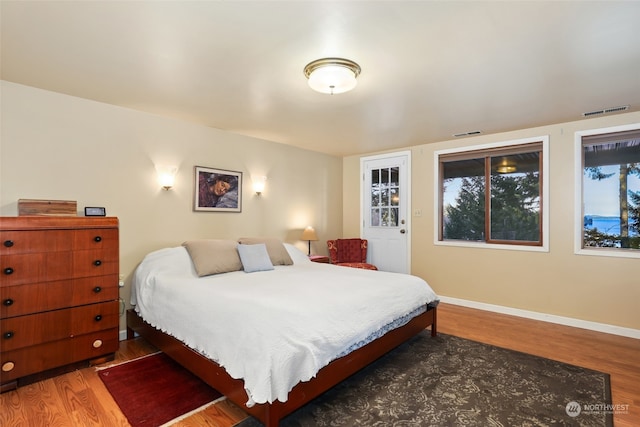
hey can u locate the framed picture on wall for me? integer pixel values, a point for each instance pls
(217, 190)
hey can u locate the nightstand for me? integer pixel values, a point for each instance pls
(319, 258)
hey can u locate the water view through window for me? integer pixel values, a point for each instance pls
(611, 191)
(602, 216)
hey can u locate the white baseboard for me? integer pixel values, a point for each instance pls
(567, 321)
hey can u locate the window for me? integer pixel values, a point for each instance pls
(608, 205)
(385, 197)
(493, 195)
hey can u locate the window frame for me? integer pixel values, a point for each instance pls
(543, 245)
(579, 196)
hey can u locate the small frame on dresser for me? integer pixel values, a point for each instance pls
(217, 190)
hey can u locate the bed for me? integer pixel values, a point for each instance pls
(265, 326)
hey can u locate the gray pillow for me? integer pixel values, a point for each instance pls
(254, 258)
(212, 256)
(275, 248)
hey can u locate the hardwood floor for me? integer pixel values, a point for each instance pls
(80, 399)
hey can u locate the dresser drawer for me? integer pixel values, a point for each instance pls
(33, 329)
(98, 238)
(33, 298)
(24, 242)
(33, 241)
(26, 361)
(49, 266)
(95, 262)
(34, 267)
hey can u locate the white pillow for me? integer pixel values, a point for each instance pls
(297, 256)
(255, 258)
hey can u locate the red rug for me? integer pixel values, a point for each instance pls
(154, 389)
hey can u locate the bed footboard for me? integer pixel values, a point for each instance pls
(271, 414)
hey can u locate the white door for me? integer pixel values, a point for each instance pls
(385, 207)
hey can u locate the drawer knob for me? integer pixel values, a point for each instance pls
(8, 367)
(8, 243)
(7, 302)
(98, 317)
(97, 239)
(97, 263)
(97, 289)
(7, 335)
(97, 344)
(8, 271)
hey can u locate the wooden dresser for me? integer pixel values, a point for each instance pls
(59, 306)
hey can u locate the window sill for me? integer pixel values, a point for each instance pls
(482, 245)
(608, 252)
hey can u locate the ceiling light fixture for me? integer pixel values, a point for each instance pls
(332, 75)
(506, 167)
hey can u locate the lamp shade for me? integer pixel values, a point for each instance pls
(309, 234)
(332, 75)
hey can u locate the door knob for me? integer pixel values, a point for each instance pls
(403, 231)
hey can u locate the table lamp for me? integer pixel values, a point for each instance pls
(309, 234)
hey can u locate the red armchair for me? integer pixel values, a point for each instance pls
(349, 253)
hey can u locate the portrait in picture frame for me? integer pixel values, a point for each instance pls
(217, 190)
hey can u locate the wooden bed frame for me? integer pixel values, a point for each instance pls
(271, 414)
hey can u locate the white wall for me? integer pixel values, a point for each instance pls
(59, 147)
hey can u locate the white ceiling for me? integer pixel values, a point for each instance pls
(430, 69)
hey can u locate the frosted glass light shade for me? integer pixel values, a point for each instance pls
(332, 75)
(259, 184)
(166, 176)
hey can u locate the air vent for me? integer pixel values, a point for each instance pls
(616, 109)
(473, 132)
(606, 111)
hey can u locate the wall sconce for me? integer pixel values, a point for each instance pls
(309, 234)
(166, 176)
(258, 185)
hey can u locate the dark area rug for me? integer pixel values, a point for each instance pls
(154, 389)
(450, 381)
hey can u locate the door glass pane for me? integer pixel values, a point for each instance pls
(375, 196)
(394, 176)
(375, 178)
(393, 217)
(384, 197)
(395, 196)
(375, 217)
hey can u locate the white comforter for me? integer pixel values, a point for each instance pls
(274, 328)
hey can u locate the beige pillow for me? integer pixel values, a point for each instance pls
(212, 256)
(276, 250)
